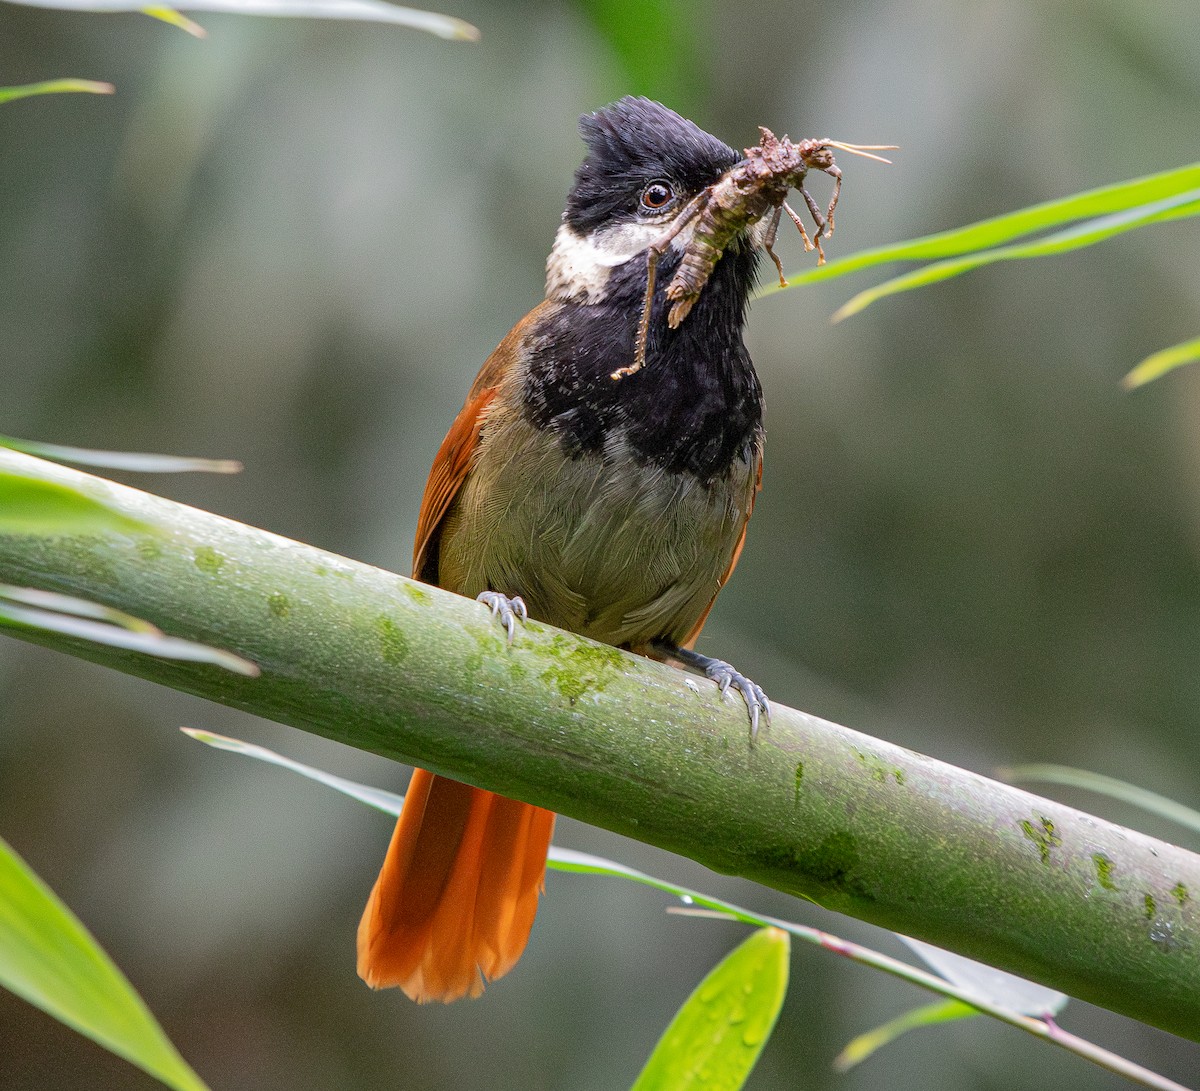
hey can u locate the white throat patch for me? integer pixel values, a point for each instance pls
(579, 266)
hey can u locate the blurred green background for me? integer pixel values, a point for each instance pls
(294, 243)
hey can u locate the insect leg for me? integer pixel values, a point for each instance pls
(653, 252)
(819, 219)
(834, 173)
(808, 245)
(769, 245)
(643, 332)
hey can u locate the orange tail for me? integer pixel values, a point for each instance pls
(458, 891)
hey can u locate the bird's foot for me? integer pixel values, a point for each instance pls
(508, 610)
(727, 678)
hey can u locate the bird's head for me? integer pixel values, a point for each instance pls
(644, 164)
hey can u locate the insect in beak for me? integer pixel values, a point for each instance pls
(753, 188)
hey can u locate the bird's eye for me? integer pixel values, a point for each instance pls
(657, 195)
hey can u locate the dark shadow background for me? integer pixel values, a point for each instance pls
(294, 243)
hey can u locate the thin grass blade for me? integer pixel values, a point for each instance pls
(123, 460)
(56, 87)
(1143, 798)
(859, 1049)
(998, 230)
(388, 802)
(67, 604)
(1089, 233)
(147, 640)
(176, 19)
(1159, 363)
(374, 11)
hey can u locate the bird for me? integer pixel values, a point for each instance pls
(612, 504)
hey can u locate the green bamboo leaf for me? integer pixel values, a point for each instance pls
(55, 87)
(375, 11)
(1178, 206)
(123, 460)
(715, 1039)
(1105, 786)
(1159, 363)
(940, 1011)
(48, 958)
(997, 230)
(30, 505)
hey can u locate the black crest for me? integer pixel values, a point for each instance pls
(630, 143)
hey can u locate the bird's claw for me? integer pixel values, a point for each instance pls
(728, 678)
(508, 610)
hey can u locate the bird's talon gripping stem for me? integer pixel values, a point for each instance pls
(508, 610)
(727, 678)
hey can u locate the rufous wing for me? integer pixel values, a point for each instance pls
(694, 635)
(454, 459)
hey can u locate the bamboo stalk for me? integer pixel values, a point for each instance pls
(379, 662)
